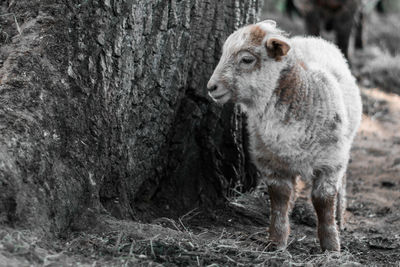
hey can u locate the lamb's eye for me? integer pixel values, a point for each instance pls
(247, 60)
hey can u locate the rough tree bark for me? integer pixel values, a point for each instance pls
(103, 109)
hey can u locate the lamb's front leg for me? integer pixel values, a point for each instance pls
(281, 191)
(324, 198)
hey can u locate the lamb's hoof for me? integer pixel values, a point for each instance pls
(330, 244)
(330, 247)
(329, 238)
(276, 246)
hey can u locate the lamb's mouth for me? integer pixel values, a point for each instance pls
(218, 97)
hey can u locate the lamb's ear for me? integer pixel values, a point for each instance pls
(277, 48)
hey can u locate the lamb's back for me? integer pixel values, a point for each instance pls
(321, 56)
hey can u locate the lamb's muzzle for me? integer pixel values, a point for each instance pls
(217, 92)
(303, 108)
(212, 88)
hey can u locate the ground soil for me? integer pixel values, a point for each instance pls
(237, 235)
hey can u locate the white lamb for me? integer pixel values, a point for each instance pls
(304, 109)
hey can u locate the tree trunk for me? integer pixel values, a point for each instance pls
(104, 109)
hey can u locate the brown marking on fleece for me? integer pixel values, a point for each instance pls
(256, 35)
(291, 92)
(286, 90)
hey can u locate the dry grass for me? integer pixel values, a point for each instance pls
(168, 242)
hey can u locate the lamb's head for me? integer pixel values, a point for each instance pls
(251, 61)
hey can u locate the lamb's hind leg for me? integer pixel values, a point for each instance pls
(324, 197)
(341, 203)
(282, 193)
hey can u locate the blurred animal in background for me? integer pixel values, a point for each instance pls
(304, 108)
(341, 16)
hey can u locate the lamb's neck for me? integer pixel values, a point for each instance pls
(291, 97)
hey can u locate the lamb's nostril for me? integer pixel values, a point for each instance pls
(212, 88)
